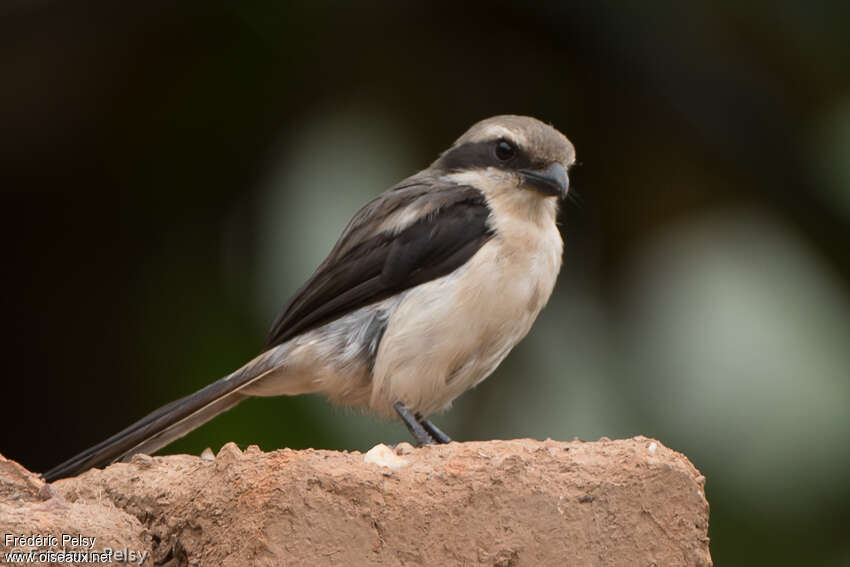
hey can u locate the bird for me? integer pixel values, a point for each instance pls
(427, 290)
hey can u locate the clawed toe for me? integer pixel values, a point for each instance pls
(423, 431)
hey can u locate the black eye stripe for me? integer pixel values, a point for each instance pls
(480, 155)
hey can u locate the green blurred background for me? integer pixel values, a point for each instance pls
(171, 172)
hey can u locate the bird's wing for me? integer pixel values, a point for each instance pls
(411, 234)
(414, 233)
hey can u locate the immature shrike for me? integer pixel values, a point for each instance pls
(429, 287)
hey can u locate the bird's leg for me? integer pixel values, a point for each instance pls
(416, 429)
(433, 430)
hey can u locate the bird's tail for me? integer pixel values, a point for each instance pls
(168, 423)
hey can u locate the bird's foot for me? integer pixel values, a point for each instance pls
(425, 432)
(434, 431)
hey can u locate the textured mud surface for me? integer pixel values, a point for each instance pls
(521, 502)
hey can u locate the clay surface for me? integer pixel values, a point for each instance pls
(507, 503)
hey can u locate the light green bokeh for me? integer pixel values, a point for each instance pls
(740, 338)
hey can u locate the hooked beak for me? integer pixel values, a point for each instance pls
(552, 181)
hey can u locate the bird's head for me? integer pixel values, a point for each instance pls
(511, 153)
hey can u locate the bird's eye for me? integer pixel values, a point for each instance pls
(505, 150)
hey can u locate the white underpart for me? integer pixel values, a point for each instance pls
(444, 336)
(449, 334)
(333, 359)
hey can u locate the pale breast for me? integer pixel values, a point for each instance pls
(449, 334)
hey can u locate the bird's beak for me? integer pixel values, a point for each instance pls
(550, 181)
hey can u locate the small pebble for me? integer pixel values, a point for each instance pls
(383, 456)
(229, 451)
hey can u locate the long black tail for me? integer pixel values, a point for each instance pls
(168, 423)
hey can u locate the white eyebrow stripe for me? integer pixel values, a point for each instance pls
(494, 131)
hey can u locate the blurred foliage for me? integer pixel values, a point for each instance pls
(171, 172)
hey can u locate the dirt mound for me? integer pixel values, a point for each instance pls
(522, 502)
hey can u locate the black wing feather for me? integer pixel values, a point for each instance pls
(387, 263)
(365, 266)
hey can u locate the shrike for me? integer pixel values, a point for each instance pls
(429, 287)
